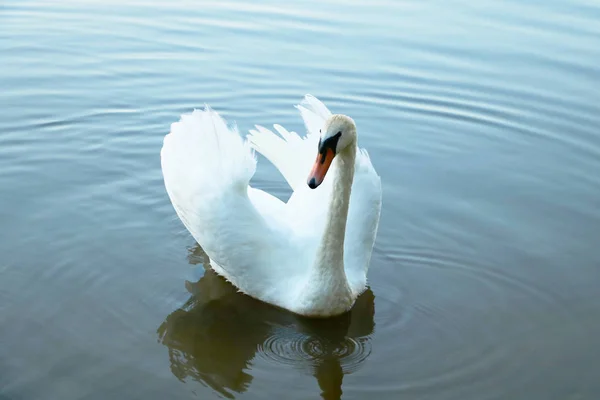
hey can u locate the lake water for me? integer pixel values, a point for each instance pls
(481, 117)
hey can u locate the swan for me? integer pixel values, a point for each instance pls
(309, 255)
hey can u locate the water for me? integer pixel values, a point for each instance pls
(481, 117)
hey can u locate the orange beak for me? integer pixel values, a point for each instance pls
(320, 168)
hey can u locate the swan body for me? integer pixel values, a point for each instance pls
(309, 255)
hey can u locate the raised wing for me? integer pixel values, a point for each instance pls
(206, 168)
(363, 220)
(292, 154)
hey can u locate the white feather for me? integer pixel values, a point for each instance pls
(263, 246)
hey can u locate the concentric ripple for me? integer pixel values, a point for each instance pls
(307, 351)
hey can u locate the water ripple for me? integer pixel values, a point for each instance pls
(452, 301)
(301, 351)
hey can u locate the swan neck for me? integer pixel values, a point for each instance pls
(329, 263)
(332, 243)
(327, 291)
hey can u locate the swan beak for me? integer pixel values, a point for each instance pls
(320, 167)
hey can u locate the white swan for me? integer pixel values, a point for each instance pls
(309, 255)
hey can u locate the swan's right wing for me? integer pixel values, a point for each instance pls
(206, 167)
(292, 154)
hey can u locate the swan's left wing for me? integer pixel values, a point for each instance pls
(310, 211)
(293, 156)
(207, 167)
(291, 153)
(363, 221)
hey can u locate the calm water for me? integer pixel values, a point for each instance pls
(481, 117)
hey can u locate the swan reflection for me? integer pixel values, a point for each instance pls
(216, 334)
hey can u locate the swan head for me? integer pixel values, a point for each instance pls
(338, 132)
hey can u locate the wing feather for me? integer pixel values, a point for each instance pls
(291, 153)
(207, 167)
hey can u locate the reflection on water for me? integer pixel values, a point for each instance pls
(216, 334)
